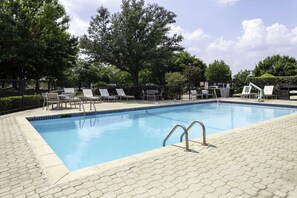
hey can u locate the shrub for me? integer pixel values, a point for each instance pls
(267, 76)
(16, 103)
(277, 81)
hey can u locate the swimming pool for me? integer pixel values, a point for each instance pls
(84, 141)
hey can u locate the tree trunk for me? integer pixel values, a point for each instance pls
(79, 85)
(37, 88)
(135, 78)
(14, 84)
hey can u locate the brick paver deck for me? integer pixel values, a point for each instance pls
(255, 161)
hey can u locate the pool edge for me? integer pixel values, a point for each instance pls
(56, 172)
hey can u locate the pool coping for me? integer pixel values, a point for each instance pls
(56, 172)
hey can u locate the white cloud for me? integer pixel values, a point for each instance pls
(176, 30)
(196, 35)
(221, 45)
(226, 2)
(278, 34)
(256, 42)
(294, 36)
(80, 12)
(253, 34)
(78, 27)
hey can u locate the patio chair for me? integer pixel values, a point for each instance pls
(246, 92)
(268, 91)
(68, 90)
(88, 95)
(121, 94)
(69, 95)
(206, 93)
(194, 94)
(105, 95)
(52, 98)
(159, 95)
(151, 94)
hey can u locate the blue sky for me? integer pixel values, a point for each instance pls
(240, 32)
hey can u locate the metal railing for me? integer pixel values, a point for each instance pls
(83, 107)
(173, 130)
(215, 93)
(188, 129)
(92, 103)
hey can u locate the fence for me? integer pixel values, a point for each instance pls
(16, 95)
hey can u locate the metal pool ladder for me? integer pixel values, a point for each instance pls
(173, 130)
(186, 133)
(203, 131)
(91, 104)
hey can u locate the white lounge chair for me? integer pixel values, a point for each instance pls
(69, 90)
(121, 94)
(194, 94)
(88, 95)
(105, 95)
(268, 91)
(246, 92)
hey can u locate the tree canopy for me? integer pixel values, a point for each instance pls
(33, 39)
(240, 79)
(218, 72)
(175, 79)
(276, 65)
(192, 67)
(131, 39)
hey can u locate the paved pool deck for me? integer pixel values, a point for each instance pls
(259, 160)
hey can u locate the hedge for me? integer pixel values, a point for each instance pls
(277, 81)
(169, 92)
(16, 103)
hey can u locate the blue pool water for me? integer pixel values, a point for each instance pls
(89, 140)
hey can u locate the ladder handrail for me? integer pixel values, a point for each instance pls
(203, 131)
(93, 103)
(172, 131)
(215, 93)
(94, 107)
(82, 105)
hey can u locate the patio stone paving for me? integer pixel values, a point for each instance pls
(259, 160)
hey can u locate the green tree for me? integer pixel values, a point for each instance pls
(183, 59)
(122, 78)
(192, 67)
(277, 65)
(218, 72)
(33, 39)
(175, 79)
(131, 39)
(87, 72)
(241, 78)
(193, 75)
